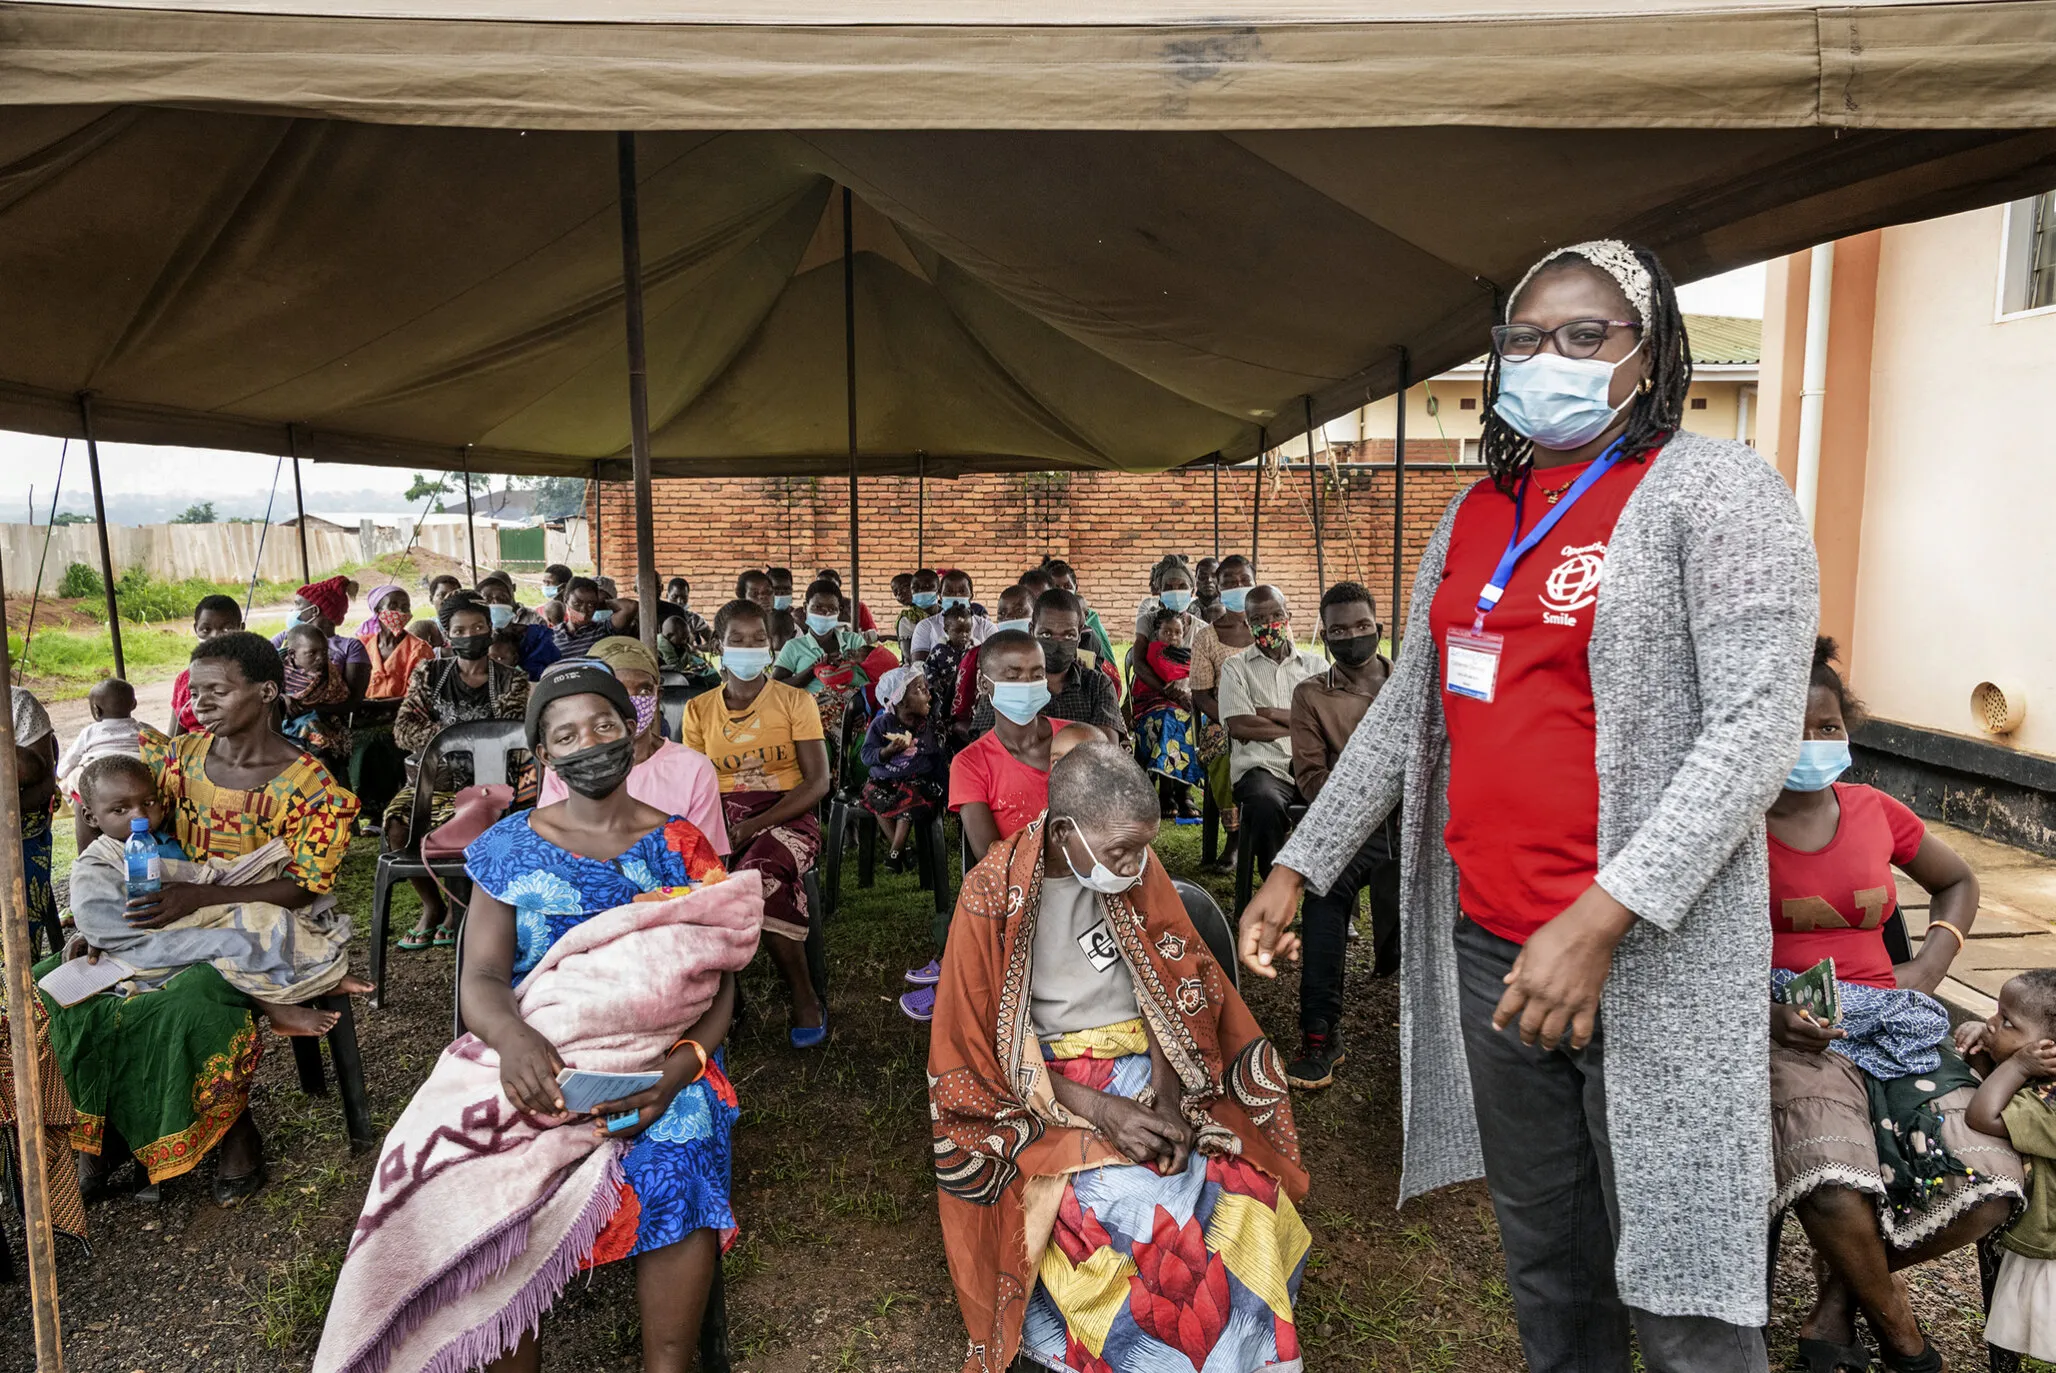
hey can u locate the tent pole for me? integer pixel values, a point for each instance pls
(638, 397)
(100, 523)
(28, 1084)
(921, 510)
(1217, 507)
(1256, 507)
(300, 506)
(599, 530)
(1399, 497)
(849, 355)
(1313, 480)
(470, 516)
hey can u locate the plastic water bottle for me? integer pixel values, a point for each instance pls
(145, 868)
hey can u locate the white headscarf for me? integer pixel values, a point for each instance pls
(1611, 256)
(893, 685)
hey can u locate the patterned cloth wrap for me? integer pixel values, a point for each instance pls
(1889, 1031)
(1138, 1270)
(1167, 741)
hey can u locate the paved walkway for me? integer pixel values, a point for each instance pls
(2016, 920)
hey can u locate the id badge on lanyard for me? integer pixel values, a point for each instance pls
(1471, 656)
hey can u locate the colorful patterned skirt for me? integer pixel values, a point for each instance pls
(1145, 1272)
(784, 854)
(915, 798)
(170, 1070)
(35, 873)
(675, 1175)
(1168, 744)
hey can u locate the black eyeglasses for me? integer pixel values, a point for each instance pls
(1581, 338)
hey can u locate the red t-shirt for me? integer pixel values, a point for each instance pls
(1523, 777)
(986, 772)
(1834, 902)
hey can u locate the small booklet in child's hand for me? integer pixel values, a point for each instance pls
(1813, 992)
(584, 1090)
(75, 979)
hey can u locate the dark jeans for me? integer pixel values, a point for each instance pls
(1263, 797)
(1549, 1164)
(1324, 928)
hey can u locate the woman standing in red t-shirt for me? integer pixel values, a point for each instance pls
(1833, 846)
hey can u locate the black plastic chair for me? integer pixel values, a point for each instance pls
(1207, 917)
(1245, 857)
(489, 744)
(671, 699)
(349, 1061)
(714, 1324)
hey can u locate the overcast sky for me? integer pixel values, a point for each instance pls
(142, 481)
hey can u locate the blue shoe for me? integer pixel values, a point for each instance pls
(810, 1039)
(919, 1004)
(926, 976)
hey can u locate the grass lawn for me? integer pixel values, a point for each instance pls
(839, 1264)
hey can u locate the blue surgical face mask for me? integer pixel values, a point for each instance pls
(1232, 597)
(552, 592)
(603, 615)
(1020, 624)
(1178, 602)
(952, 602)
(1821, 761)
(1559, 402)
(502, 615)
(781, 602)
(1020, 701)
(745, 664)
(926, 599)
(822, 624)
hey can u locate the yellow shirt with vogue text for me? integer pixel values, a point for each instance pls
(757, 750)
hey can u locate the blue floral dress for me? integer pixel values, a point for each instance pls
(677, 1171)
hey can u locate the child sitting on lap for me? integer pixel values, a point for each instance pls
(2015, 1049)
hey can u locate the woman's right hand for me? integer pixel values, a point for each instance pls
(1800, 1032)
(1264, 939)
(1142, 1135)
(529, 1065)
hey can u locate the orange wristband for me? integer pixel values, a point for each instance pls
(697, 1048)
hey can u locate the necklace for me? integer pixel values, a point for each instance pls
(1552, 497)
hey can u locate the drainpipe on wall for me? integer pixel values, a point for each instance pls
(1813, 381)
(1743, 396)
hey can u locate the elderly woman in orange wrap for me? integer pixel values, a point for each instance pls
(1113, 1140)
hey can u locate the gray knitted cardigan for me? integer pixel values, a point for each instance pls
(1702, 641)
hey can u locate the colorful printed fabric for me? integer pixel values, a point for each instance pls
(1145, 1271)
(35, 871)
(1167, 742)
(60, 1118)
(170, 1069)
(675, 1175)
(304, 805)
(783, 855)
(1000, 1133)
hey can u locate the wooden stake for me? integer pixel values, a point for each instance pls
(638, 395)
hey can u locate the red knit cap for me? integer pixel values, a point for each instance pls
(327, 597)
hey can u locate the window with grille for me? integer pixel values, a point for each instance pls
(2029, 281)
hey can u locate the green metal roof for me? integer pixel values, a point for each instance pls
(1725, 338)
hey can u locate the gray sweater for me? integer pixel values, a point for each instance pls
(1702, 641)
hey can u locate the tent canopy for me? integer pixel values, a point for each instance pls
(1125, 236)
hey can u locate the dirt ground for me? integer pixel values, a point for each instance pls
(839, 1264)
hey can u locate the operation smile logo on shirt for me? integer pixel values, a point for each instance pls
(1572, 584)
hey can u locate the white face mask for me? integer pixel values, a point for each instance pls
(1559, 402)
(1102, 878)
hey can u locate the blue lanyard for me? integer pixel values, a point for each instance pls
(1518, 547)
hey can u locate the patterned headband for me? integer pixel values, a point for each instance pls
(1610, 256)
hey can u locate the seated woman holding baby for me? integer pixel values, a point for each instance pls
(582, 947)
(162, 1062)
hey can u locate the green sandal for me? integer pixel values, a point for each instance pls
(445, 937)
(417, 939)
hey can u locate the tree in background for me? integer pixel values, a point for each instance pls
(199, 512)
(424, 488)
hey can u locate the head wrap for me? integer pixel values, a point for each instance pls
(1611, 256)
(579, 678)
(621, 651)
(892, 687)
(456, 601)
(378, 596)
(327, 597)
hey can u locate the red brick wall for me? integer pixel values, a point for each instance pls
(1110, 526)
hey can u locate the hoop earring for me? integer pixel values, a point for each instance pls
(1647, 386)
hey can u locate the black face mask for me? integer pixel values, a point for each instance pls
(471, 647)
(1059, 655)
(597, 771)
(1354, 651)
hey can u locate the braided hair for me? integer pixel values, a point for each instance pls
(1654, 415)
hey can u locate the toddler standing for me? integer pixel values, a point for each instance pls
(2016, 1051)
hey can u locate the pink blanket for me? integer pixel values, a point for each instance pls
(479, 1215)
